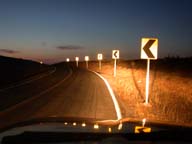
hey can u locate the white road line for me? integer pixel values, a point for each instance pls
(28, 81)
(115, 102)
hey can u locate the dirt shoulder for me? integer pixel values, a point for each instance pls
(170, 91)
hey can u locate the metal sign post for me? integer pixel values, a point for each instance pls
(99, 64)
(115, 68)
(99, 57)
(77, 61)
(115, 56)
(147, 83)
(86, 60)
(148, 51)
(87, 65)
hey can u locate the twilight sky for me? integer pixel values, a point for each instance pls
(52, 30)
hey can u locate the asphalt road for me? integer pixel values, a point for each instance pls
(68, 92)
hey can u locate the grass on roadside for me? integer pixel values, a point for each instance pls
(170, 93)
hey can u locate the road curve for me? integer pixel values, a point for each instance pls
(82, 95)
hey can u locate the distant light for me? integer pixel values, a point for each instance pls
(41, 62)
(74, 124)
(67, 59)
(96, 126)
(83, 125)
(143, 122)
(86, 58)
(99, 56)
(76, 58)
(65, 123)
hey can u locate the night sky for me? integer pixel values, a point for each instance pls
(52, 30)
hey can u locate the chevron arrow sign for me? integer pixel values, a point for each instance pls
(149, 47)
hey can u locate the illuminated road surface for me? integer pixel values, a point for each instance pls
(77, 93)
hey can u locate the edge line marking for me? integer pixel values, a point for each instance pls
(115, 102)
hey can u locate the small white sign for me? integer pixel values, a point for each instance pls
(67, 59)
(86, 58)
(99, 56)
(115, 54)
(76, 58)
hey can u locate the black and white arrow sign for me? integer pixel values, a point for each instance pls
(149, 48)
(99, 56)
(148, 51)
(115, 54)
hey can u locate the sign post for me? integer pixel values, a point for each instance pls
(147, 83)
(115, 56)
(77, 61)
(99, 57)
(86, 60)
(149, 47)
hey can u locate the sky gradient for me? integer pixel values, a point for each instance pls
(52, 30)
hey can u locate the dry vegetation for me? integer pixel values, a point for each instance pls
(170, 90)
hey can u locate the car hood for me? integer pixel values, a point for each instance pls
(84, 125)
(75, 122)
